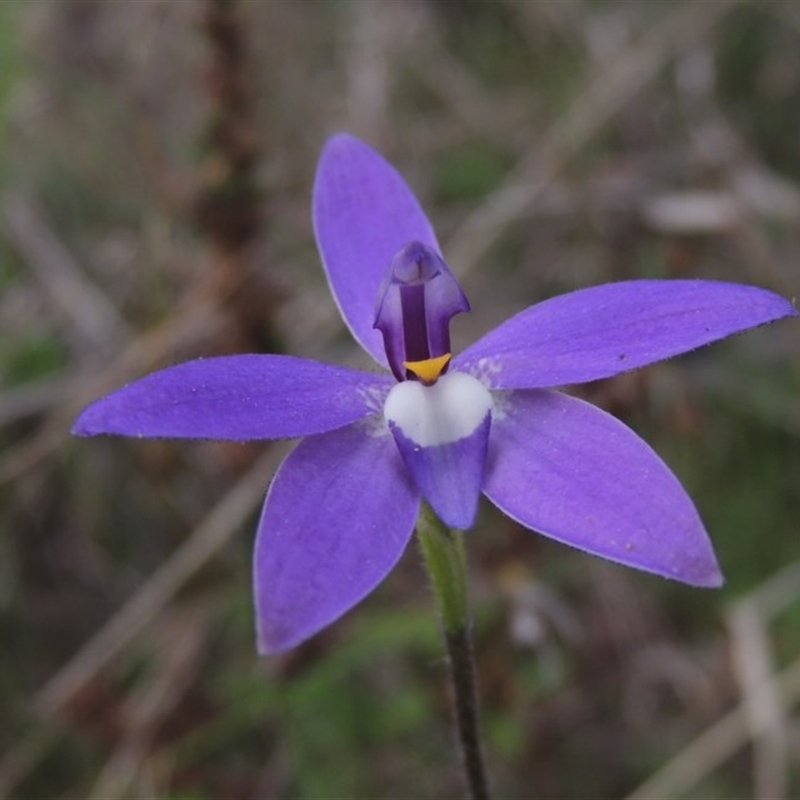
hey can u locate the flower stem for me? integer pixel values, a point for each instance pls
(445, 560)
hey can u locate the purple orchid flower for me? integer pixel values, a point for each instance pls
(445, 428)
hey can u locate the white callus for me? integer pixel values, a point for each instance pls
(453, 408)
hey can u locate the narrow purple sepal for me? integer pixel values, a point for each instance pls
(450, 476)
(417, 299)
(337, 518)
(237, 398)
(604, 330)
(572, 472)
(364, 212)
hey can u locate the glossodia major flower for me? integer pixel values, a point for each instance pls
(436, 425)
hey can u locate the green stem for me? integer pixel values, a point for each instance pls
(445, 559)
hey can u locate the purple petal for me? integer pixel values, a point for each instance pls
(336, 520)
(442, 433)
(238, 398)
(608, 329)
(576, 474)
(363, 214)
(450, 476)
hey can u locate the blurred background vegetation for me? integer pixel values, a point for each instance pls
(156, 163)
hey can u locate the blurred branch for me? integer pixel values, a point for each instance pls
(712, 747)
(774, 595)
(95, 323)
(476, 108)
(764, 713)
(373, 33)
(210, 536)
(227, 209)
(31, 399)
(180, 639)
(196, 318)
(606, 95)
(767, 698)
(205, 541)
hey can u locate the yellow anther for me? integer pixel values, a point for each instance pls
(428, 370)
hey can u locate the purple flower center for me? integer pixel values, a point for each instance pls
(418, 297)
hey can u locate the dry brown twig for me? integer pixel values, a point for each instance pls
(95, 323)
(606, 95)
(475, 108)
(764, 712)
(747, 721)
(181, 636)
(196, 318)
(139, 612)
(372, 46)
(205, 541)
(713, 746)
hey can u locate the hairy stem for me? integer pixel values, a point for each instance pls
(445, 560)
